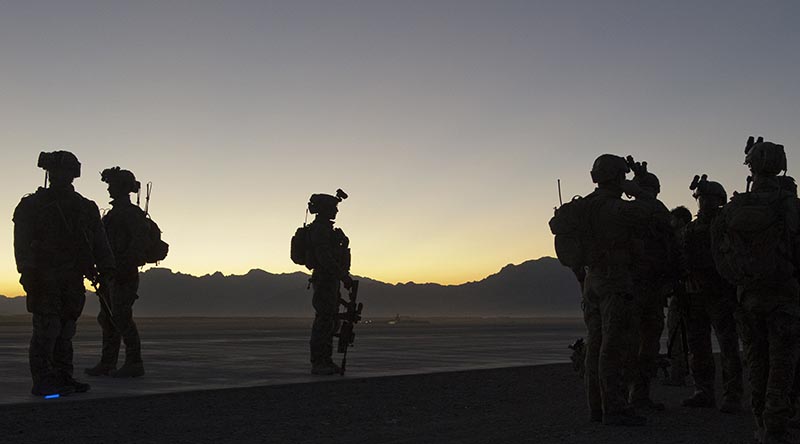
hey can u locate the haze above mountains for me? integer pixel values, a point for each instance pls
(541, 287)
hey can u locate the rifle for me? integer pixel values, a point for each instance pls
(349, 318)
(102, 290)
(683, 311)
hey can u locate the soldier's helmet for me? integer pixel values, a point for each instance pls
(61, 162)
(649, 181)
(701, 186)
(609, 168)
(325, 202)
(765, 158)
(122, 178)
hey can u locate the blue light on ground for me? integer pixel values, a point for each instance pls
(56, 396)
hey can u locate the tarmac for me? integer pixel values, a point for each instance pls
(189, 354)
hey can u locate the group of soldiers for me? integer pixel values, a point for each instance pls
(60, 239)
(733, 269)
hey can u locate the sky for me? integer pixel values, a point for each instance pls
(448, 122)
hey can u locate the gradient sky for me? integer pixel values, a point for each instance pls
(447, 122)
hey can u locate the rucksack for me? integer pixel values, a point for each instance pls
(300, 246)
(569, 225)
(157, 249)
(751, 240)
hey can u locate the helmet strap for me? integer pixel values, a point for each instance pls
(46, 177)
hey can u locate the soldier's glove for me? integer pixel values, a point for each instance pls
(347, 281)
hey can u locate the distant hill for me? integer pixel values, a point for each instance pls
(539, 287)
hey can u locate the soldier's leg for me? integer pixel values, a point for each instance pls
(678, 370)
(594, 339)
(701, 355)
(618, 349)
(782, 336)
(326, 306)
(127, 295)
(756, 352)
(650, 330)
(724, 322)
(130, 334)
(46, 328)
(62, 352)
(111, 340)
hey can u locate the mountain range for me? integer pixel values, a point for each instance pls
(541, 287)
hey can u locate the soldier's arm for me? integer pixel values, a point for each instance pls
(322, 243)
(23, 236)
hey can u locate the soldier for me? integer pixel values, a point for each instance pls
(58, 240)
(608, 223)
(654, 269)
(754, 240)
(127, 229)
(679, 218)
(712, 303)
(329, 258)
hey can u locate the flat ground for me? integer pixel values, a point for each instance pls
(538, 404)
(247, 381)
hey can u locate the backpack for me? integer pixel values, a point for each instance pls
(157, 249)
(570, 229)
(750, 238)
(300, 246)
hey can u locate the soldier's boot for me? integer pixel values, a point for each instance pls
(80, 387)
(134, 366)
(626, 418)
(129, 370)
(108, 356)
(325, 367)
(51, 385)
(648, 404)
(699, 400)
(101, 369)
(730, 405)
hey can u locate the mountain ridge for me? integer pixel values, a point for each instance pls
(537, 287)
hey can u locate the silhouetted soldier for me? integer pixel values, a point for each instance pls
(329, 259)
(679, 218)
(754, 241)
(654, 269)
(712, 304)
(608, 295)
(58, 240)
(127, 229)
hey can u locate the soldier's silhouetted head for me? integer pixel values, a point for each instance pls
(764, 158)
(609, 169)
(120, 182)
(709, 194)
(325, 205)
(680, 216)
(62, 166)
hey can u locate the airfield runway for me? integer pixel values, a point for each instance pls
(246, 381)
(187, 354)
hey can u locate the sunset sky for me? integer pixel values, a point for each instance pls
(447, 122)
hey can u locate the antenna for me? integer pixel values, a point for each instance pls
(560, 200)
(147, 198)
